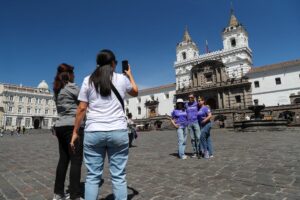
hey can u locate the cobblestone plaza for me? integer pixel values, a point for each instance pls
(258, 165)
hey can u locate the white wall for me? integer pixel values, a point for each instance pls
(268, 92)
(165, 105)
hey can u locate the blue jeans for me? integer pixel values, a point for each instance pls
(181, 133)
(96, 145)
(205, 138)
(194, 130)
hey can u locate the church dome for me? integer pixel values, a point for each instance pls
(43, 85)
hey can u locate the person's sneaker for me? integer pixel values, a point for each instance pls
(194, 155)
(206, 155)
(184, 157)
(58, 197)
(211, 156)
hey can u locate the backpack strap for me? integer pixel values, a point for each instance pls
(117, 94)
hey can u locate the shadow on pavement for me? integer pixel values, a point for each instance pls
(129, 196)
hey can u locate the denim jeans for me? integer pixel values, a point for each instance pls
(194, 130)
(205, 138)
(181, 133)
(96, 146)
(64, 135)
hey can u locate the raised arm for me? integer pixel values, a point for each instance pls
(135, 91)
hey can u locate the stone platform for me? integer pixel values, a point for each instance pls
(260, 165)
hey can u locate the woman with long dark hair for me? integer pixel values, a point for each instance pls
(204, 117)
(65, 96)
(180, 121)
(101, 99)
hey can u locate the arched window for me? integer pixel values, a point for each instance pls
(183, 55)
(233, 42)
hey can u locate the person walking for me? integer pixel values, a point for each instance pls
(131, 129)
(179, 120)
(204, 117)
(102, 99)
(193, 125)
(65, 96)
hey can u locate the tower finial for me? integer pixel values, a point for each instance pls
(233, 20)
(186, 36)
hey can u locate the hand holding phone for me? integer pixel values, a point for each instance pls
(124, 65)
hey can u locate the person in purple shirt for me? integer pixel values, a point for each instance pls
(193, 125)
(204, 116)
(179, 120)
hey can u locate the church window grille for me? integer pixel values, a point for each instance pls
(256, 84)
(46, 111)
(208, 77)
(11, 98)
(233, 42)
(183, 55)
(278, 81)
(19, 110)
(139, 110)
(238, 99)
(255, 101)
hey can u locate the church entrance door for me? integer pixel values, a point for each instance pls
(36, 123)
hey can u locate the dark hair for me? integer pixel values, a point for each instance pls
(101, 77)
(64, 75)
(177, 106)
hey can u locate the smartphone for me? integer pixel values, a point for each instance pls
(124, 65)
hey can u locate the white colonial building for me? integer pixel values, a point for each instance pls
(151, 102)
(276, 84)
(26, 106)
(236, 54)
(272, 85)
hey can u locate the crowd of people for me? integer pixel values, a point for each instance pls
(194, 118)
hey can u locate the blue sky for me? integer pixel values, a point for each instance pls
(37, 35)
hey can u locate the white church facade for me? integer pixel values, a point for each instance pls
(227, 77)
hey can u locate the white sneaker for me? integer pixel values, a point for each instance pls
(211, 156)
(194, 155)
(184, 157)
(58, 197)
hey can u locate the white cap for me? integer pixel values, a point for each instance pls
(179, 101)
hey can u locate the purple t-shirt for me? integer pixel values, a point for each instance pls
(192, 111)
(180, 117)
(203, 113)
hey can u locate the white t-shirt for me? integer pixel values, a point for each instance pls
(105, 113)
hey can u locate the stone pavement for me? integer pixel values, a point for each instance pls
(264, 165)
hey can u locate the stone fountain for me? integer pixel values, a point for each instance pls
(257, 123)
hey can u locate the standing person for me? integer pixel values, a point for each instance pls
(179, 120)
(204, 116)
(65, 96)
(193, 125)
(23, 130)
(131, 130)
(102, 98)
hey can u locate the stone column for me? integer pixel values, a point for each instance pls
(219, 101)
